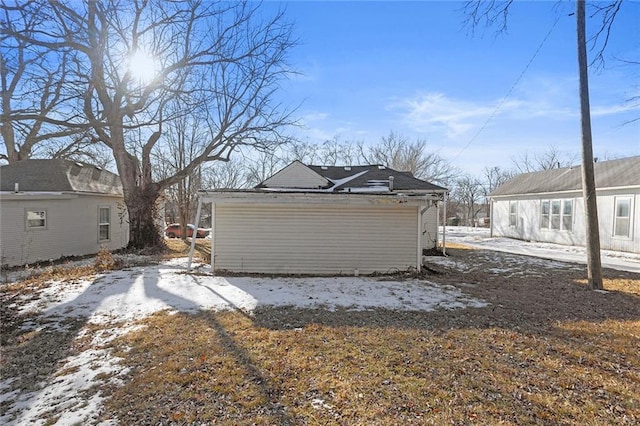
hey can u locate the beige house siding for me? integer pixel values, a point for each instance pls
(318, 239)
(71, 227)
(296, 175)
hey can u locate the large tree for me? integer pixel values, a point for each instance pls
(41, 108)
(144, 63)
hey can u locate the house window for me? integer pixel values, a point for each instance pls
(622, 223)
(36, 219)
(556, 214)
(544, 216)
(567, 215)
(104, 223)
(513, 213)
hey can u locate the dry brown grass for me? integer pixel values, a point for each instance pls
(546, 351)
(180, 248)
(226, 367)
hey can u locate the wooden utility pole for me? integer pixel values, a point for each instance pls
(594, 266)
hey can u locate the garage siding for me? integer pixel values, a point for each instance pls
(334, 239)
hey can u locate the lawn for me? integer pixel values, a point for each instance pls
(544, 350)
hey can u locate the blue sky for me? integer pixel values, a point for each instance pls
(368, 68)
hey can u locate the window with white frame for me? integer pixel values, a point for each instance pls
(104, 223)
(513, 213)
(36, 219)
(556, 215)
(567, 215)
(622, 221)
(544, 215)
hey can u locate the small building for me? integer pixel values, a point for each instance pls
(548, 206)
(325, 220)
(56, 208)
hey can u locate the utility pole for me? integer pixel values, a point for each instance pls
(594, 266)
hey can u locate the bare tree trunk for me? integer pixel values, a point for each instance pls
(594, 267)
(142, 209)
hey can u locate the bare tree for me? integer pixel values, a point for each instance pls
(224, 175)
(552, 158)
(220, 62)
(493, 177)
(468, 193)
(399, 153)
(265, 164)
(181, 144)
(40, 105)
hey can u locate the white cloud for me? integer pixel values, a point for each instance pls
(460, 118)
(454, 117)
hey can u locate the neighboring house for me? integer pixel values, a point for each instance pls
(325, 220)
(549, 206)
(55, 208)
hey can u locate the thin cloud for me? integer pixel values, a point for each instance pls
(454, 117)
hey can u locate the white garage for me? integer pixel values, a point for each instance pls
(318, 230)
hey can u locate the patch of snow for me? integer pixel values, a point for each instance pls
(480, 238)
(115, 299)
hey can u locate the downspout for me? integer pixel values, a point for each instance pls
(491, 219)
(419, 241)
(437, 222)
(194, 235)
(444, 225)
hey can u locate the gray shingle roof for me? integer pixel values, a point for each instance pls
(608, 174)
(58, 176)
(372, 175)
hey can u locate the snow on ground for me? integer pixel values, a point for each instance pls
(116, 298)
(479, 237)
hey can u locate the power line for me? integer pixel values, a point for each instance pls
(504, 99)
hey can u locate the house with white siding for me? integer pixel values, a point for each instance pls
(548, 206)
(56, 208)
(325, 220)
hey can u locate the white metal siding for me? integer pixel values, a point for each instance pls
(71, 228)
(430, 228)
(528, 227)
(330, 239)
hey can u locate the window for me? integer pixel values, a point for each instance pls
(621, 227)
(544, 219)
(556, 214)
(567, 215)
(36, 219)
(104, 223)
(513, 213)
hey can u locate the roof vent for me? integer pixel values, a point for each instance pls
(347, 168)
(98, 167)
(324, 167)
(79, 164)
(381, 167)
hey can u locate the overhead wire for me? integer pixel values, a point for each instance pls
(504, 99)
